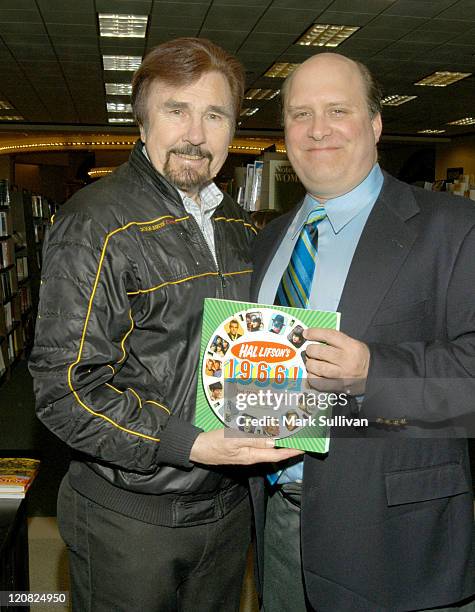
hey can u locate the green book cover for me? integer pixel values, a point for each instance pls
(252, 376)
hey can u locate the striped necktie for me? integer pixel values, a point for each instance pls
(296, 283)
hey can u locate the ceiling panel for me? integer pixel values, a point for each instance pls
(232, 17)
(361, 6)
(50, 50)
(422, 8)
(17, 16)
(463, 10)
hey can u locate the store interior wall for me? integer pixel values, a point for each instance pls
(460, 153)
(58, 175)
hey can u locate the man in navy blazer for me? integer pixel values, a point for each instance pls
(383, 521)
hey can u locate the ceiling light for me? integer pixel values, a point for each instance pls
(431, 131)
(118, 89)
(396, 100)
(324, 35)
(442, 79)
(118, 107)
(281, 70)
(261, 94)
(123, 26)
(5, 105)
(464, 121)
(121, 62)
(121, 120)
(248, 112)
(11, 118)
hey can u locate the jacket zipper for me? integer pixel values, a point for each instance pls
(205, 246)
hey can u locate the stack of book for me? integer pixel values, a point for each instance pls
(16, 476)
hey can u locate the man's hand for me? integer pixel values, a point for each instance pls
(216, 448)
(342, 361)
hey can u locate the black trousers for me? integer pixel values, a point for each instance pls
(119, 564)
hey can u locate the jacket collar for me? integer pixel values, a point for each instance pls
(142, 165)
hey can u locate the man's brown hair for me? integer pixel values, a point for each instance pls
(181, 62)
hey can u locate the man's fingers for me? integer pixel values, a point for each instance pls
(322, 369)
(330, 336)
(274, 455)
(323, 352)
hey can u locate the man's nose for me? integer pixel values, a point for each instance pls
(319, 127)
(195, 134)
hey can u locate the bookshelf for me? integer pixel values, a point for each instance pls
(270, 183)
(23, 220)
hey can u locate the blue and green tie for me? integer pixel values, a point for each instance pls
(296, 283)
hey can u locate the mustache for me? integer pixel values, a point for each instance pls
(190, 150)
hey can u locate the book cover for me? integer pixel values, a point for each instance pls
(16, 475)
(285, 188)
(252, 375)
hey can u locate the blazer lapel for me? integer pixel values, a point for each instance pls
(384, 245)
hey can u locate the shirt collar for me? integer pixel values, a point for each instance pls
(210, 195)
(341, 210)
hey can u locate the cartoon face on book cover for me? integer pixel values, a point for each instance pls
(252, 370)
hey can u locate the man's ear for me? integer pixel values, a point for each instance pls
(377, 124)
(143, 135)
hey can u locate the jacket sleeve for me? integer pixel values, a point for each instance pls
(432, 382)
(84, 318)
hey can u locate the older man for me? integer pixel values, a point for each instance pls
(127, 265)
(377, 524)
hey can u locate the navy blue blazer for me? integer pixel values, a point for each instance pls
(387, 515)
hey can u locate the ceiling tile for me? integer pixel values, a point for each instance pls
(429, 37)
(20, 29)
(68, 17)
(135, 7)
(159, 35)
(16, 16)
(351, 19)
(421, 8)
(442, 25)
(267, 43)
(239, 4)
(179, 9)
(463, 10)
(174, 21)
(73, 30)
(397, 22)
(75, 6)
(317, 5)
(360, 6)
(231, 18)
(19, 4)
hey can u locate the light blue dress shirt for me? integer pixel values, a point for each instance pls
(338, 236)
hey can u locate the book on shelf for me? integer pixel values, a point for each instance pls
(6, 258)
(22, 267)
(3, 223)
(16, 475)
(4, 192)
(3, 365)
(7, 311)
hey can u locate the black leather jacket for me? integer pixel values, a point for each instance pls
(125, 272)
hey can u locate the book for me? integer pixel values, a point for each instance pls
(16, 475)
(252, 377)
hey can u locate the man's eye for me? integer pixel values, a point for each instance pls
(214, 116)
(176, 111)
(338, 112)
(301, 115)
